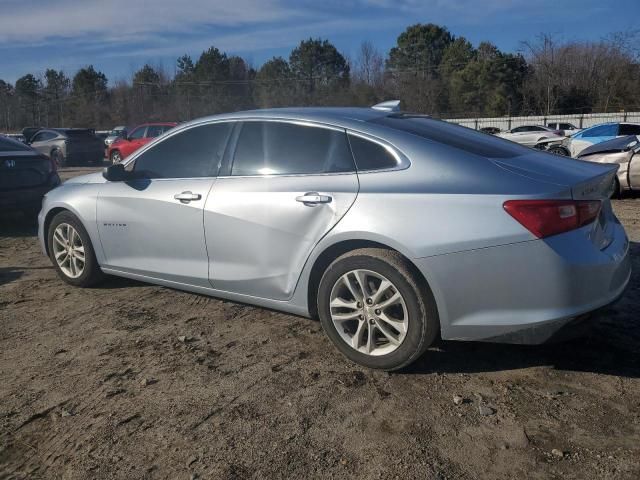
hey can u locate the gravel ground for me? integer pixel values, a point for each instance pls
(136, 381)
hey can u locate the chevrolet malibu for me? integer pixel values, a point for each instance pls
(393, 228)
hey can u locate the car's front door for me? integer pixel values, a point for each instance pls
(41, 142)
(282, 188)
(152, 225)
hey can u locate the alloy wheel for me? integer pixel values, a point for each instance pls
(369, 312)
(68, 250)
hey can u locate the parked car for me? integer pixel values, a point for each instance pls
(625, 151)
(565, 128)
(530, 135)
(117, 132)
(69, 146)
(122, 147)
(490, 130)
(393, 228)
(575, 144)
(25, 177)
(29, 132)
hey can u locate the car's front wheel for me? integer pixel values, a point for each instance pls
(376, 310)
(71, 251)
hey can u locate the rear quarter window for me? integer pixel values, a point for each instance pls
(454, 136)
(371, 155)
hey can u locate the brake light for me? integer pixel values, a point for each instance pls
(544, 218)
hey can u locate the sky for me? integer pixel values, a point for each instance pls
(119, 36)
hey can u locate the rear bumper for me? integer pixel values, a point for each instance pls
(526, 292)
(27, 198)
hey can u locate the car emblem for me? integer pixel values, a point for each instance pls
(10, 163)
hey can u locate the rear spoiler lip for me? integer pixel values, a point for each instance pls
(597, 187)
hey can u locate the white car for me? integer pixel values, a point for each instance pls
(567, 129)
(530, 135)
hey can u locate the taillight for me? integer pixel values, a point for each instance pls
(544, 218)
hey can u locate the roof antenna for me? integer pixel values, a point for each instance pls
(388, 106)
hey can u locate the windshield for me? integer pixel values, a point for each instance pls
(117, 132)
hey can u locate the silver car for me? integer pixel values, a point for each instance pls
(625, 151)
(392, 228)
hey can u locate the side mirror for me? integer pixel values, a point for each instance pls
(116, 173)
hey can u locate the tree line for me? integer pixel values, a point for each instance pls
(429, 69)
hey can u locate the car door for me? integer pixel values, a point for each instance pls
(41, 142)
(152, 224)
(634, 169)
(283, 186)
(133, 141)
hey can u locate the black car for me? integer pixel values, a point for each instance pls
(25, 176)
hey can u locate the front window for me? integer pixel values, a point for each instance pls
(138, 133)
(192, 153)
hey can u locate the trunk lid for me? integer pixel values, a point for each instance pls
(585, 181)
(24, 169)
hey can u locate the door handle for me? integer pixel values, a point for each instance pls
(186, 197)
(311, 199)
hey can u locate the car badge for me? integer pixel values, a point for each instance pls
(10, 163)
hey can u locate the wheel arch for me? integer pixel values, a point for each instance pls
(335, 250)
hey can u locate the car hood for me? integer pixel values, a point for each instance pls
(615, 145)
(89, 178)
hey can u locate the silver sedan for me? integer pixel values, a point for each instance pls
(394, 229)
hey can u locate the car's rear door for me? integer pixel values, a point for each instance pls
(153, 225)
(284, 185)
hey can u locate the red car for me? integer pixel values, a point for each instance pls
(139, 136)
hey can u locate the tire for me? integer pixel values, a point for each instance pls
(90, 273)
(559, 151)
(115, 157)
(416, 307)
(58, 157)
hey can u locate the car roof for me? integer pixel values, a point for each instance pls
(344, 117)
(160, 124)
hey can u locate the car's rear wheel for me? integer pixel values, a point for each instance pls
(376, 310)
(71, 251)
(58, 157)
(116, 157)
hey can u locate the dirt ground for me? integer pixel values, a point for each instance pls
(136, 381)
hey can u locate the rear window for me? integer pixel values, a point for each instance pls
(278, 148)
(10, 145)
(454, 136)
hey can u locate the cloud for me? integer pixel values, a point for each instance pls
(27, 22)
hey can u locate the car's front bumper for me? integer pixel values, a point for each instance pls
(526, 292)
